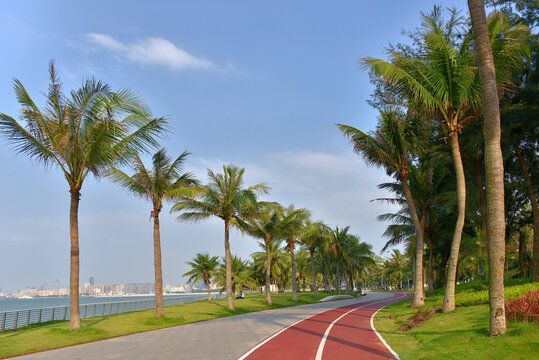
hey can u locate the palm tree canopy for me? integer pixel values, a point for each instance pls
(164, 181)
(89, 131)
(397, 138)
(223, 197)
(202, 268)
(443, 78)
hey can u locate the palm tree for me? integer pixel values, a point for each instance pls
(312, 238)
(493, 167)
(203, 268)
(225, 198)
(268, 226)
(165, 181)
(87, 132)
(292, 227)
(337, 239)
(279, 264)
(240, 274)
(443, 83)
(391, 146)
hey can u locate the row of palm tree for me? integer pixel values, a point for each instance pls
(353, 258)
(435, 89)
(104, 132)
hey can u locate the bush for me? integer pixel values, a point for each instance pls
(525, 308)
(481, 297)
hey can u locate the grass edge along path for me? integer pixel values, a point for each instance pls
(455, 335)
(52, 335)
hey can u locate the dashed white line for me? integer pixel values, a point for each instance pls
(323, 341)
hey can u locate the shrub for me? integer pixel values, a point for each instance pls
(525, 308)
(481, 297)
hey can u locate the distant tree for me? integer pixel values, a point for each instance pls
(203, 268)
(88, 132)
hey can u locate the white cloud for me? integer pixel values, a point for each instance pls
(154, 51)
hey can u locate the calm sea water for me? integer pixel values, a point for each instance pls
(40, 302)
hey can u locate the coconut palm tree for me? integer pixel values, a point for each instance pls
(165, 181)
(312, 238)
(223, 197)
(240, 274)
(493, 166)
(88, 132)
(397, 138)
(293, 222)
(203, 268)
(279, 264)
(443, 83)
(337, 239)
(268, 226)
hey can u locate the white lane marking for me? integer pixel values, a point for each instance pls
(323, 342)
(277, 333)
(380, 336)
(274, 335)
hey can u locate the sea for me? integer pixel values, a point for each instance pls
(10, 304)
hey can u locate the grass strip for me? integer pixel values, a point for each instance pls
(56, 334)
(461, 334)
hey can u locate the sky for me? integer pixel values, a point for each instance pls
(257, 84)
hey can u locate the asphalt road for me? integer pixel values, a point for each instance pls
(225, 338)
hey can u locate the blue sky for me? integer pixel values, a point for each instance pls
(258, 84)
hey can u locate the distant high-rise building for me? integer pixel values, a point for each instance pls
(92, 280)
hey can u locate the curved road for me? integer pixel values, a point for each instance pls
(331, 330)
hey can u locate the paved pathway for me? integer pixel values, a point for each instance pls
(234, 337)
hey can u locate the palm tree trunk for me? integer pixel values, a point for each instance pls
(493, 167)
(74, 315)
(535, 210)
(209, 292)
(228, 260)
(293, 262)
(315, 287)
(449, 296)
(522, 254)
(326, 276)
(483, 197)
(268, 271)
(430, 278)
(159, 306)
(419, 297)
(337, 280)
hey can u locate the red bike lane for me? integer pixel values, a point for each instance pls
(340, 333)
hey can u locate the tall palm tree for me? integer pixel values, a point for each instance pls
(87, 132)
(493, 167)
(397, 138)
(165, 181)
(223, 197)
(203, 268)
(312, 238)
(293, 222)
(444, 83)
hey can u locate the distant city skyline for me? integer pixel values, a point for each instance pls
(260, 85)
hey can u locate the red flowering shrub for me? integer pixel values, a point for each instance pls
(525, 308)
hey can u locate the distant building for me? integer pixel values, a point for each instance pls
(139, 288)
(92, 281)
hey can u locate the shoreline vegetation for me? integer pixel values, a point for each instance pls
(52, 335)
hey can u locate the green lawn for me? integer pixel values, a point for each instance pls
(461, 334)
(56, 334)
